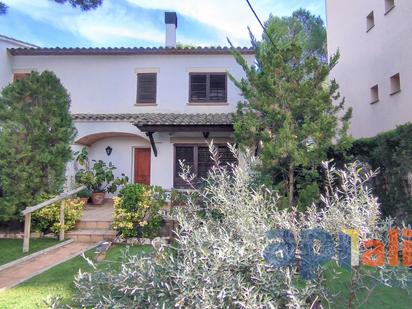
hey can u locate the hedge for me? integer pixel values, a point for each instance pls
(391, 153)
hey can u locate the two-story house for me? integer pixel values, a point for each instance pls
(143, 109)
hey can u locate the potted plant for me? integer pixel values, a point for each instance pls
(84, 196)
(99, 179)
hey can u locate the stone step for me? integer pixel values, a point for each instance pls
(90, 236)
(93, 225)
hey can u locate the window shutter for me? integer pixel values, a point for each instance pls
(208, 87)
(198, 87)
(226, 156)
(20, 76)
(217, 87)
(186, 154)
(205, 162)
(146, 87)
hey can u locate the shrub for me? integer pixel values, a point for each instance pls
(391, 153)
(47, 219)
(36, 131)
(217, 261)
(137, 210)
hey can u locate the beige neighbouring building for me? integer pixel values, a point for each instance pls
(374, 38)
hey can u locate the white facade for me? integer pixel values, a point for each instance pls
(107, 84)
(372, 51)
(6, 70)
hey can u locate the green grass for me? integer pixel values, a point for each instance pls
(12, 249)
(58, 280)
(382, 297)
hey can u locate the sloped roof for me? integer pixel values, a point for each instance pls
(164, 119)
(76, 51)
(15, 41)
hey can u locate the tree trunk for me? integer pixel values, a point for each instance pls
(352, 289)
(291, 184)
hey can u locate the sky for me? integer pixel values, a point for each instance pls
(135, 23)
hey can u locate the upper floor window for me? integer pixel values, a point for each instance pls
(208, 87)
(389, 5)
(20, 76)
(146, 87)
(370, 21)
(395, 83)
(374, 94)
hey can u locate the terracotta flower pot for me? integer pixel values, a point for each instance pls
(98, 198)
(84, 200)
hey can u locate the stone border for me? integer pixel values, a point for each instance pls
(33, 255)
(50, 266)
(142, 241)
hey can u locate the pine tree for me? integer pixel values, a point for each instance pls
(36, 131)
(290, 112)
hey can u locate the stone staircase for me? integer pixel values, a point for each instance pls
(95, 224)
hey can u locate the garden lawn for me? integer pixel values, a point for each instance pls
(381, 297)
(58, 280)
(12, 249)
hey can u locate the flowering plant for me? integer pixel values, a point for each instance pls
(137, 210)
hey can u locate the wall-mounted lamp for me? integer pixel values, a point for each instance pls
(109, 150)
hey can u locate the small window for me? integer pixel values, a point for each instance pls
(20, 76)
(208, 87)
(370, 21)
(395, 83)
(146, 87)
(389, 5)
(374, 94)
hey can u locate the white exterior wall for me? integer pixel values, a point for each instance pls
(6, 61)
(107, 84)
(370, 58)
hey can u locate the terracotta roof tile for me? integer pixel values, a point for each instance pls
(169, 119)
(76, 51)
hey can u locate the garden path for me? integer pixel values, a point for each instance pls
(21, 272)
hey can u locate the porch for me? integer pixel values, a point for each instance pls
(147, 147)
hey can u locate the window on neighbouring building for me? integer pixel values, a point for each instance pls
(197, 157)
(20, 76)
(208, 87)
(395, 83)
(374, 94)
(389, 5)
(146, 88)
(370, 21)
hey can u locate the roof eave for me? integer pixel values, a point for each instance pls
(185, 128)
(125, 51)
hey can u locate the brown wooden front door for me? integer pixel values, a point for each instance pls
(142, 165)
